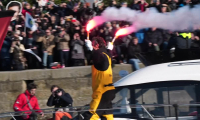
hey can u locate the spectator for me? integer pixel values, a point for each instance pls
(53, 22)
(86, 14)
(124, 45)
(166, 36)
(124, 4)
(17, 50)
(5, 58)
(140, 35)
(63, 47)
(114, 28)
(98, 9)
(173, 4)
(136, 5)
(182, 43)
(26, 102)
(16, 7)
(165, 8)
(143, 4)
(27, 9)
(115, 57)
(195, 40)
(48, 44)
(77, 51)
(60, 100)
(133, 49)
(153, 37)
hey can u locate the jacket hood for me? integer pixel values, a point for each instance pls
(28, 93)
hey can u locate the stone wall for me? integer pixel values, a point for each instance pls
(74, 80)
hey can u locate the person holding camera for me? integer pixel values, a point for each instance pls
(17, 51)
(61, 100)
(63, 47)
(78, 55)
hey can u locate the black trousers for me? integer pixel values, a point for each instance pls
(105, 103)
(78, 62)
(64, 57)
(5, 64)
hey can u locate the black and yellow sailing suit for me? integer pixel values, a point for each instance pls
(103, 90)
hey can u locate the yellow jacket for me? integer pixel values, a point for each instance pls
(102, 80)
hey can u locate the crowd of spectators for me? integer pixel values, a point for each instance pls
(61, 34)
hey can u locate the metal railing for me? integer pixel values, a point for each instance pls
(146, 110)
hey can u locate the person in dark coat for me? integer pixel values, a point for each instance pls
(166, 36)
(182, 42)
(173, 4)
(133, 49)
(136, 5)
(60, 100)
(5, 58)
(154, 38)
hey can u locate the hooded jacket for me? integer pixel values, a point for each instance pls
(21, 104)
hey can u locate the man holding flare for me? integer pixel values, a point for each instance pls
(102, 80)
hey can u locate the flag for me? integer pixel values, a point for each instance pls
(30, 22)
(5, 17)
(31, 52)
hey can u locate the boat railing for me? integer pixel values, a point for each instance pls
(150, 111)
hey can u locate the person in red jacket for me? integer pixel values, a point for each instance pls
(27, 101)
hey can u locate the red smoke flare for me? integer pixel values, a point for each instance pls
(90, 25)
(120, 32)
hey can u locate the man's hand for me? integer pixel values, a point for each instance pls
(25, 116)
(42, 114)
(34, 48)
(88, 44)
(60, 93)
(150, 44)
(155, 44)
(196, 37)
(110, 46)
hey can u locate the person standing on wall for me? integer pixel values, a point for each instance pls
(48, 44)
(102, 80)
